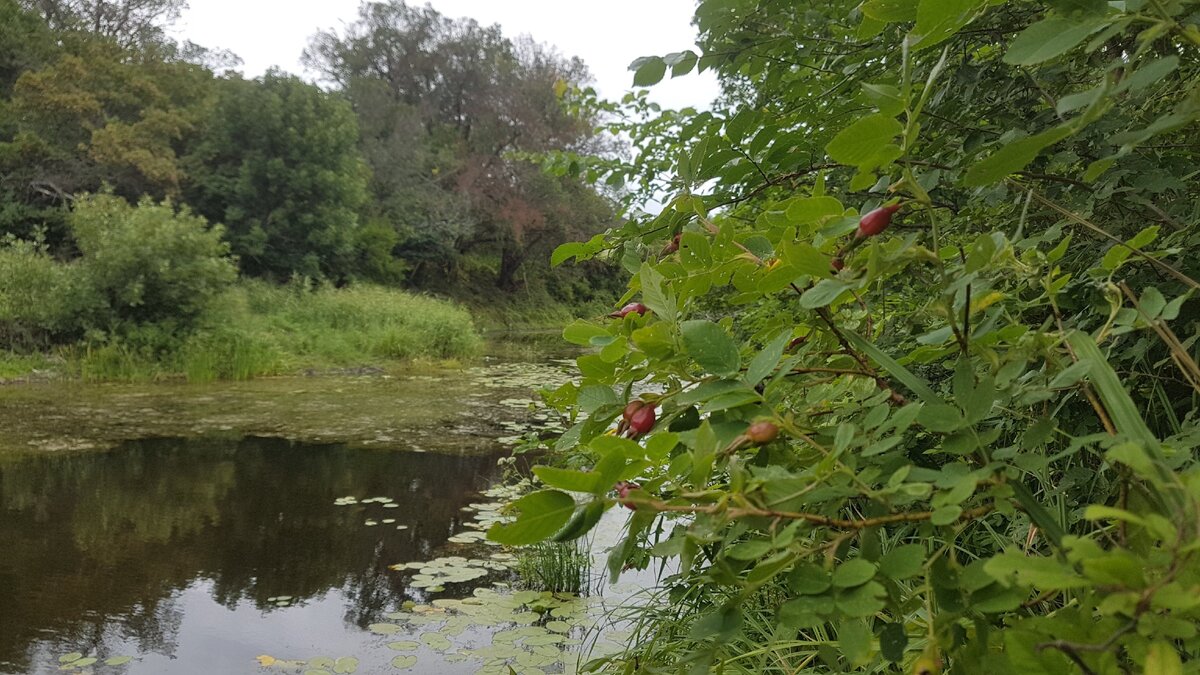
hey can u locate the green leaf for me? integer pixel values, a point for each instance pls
(1047, 39)
(804, 612)
(864, 144)
(581, 522)
(117, 660)
(805, 210)
(580, 332)
(541, 514)
(808, 579)
(853, 573)
(565, 252)
(821, 295)
(1148, 74)
(766, 360)
(1080, 6)
(903, 562)
(749, 550)
(648, 71)
(404, 662)
(946, 515)
(566, 479)
(1033, 572)
(854, 640)
(906, 377)
(864, 600)
(1162, 659)
(937, 20)
(711, 347)
(655, 296)
(893, 640)
(1012, 157)
(890, 11)
(941, 418)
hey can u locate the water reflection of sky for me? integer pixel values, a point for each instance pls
(172, 551)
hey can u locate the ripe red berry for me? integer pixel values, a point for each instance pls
(633, 406)
(761, 433)
(631, 308)
(876, 221)
(641, 421)
(623, 489)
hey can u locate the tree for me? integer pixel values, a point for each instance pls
(279, 166)
(96, 115)
(915, 327)
(130, 23)
(446, 107)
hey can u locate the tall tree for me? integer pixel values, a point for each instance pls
(466, 100)
(96, 114)
(279, 165)
(128, 22)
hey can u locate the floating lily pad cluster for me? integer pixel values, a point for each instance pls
(535, 633)
(530, 377)
(435, 574)
(281, 600)
(385, 502)
(318, 665)
(78, 663)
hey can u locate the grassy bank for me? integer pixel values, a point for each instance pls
(255, 329)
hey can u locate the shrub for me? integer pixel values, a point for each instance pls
(147, 263)
(41, 300)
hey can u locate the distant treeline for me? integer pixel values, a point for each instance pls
(400, 168)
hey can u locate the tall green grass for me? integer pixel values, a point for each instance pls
(554, 566)
(257, 329)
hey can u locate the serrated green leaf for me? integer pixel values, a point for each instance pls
(711, 347)
(541, 514)
(864, 143)
(903, 562)
(1047, 39)
(648, 71)
(1012, 157)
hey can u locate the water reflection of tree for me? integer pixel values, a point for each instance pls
(97, 540)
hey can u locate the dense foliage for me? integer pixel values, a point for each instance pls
(960, 437)
(410, 171)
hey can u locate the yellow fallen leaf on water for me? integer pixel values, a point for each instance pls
(265, 660)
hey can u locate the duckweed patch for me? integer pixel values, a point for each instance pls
(452, 411)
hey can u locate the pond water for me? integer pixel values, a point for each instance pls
(212, 550)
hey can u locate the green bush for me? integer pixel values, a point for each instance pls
(147, 263)
(41, 299)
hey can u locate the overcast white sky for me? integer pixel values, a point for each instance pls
(606, 35)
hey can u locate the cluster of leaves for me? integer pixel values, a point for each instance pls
(143, 264)
(987, 458)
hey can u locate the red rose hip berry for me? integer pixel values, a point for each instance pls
(761, 433)
(876, 221)
(641, 421)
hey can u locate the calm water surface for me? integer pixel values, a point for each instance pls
(173, 551)
(177, 550)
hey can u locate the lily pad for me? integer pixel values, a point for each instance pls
(384, 628)
(404, 662)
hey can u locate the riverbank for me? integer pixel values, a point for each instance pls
(260, 330)
(255, 329)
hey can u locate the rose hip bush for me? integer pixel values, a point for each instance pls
(983, 405)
